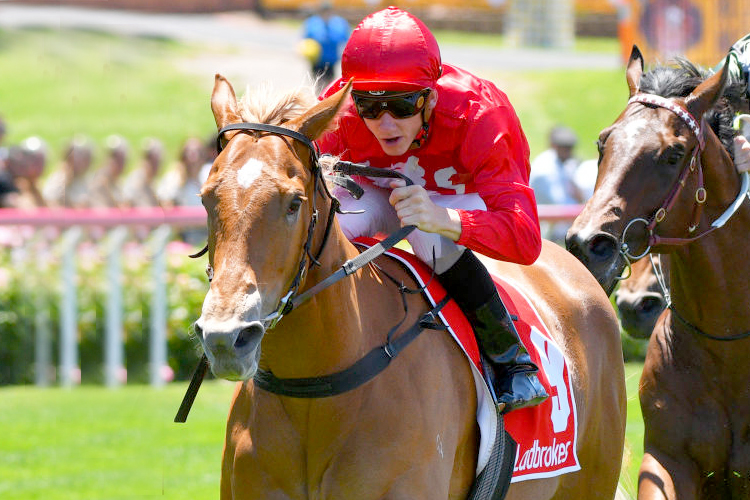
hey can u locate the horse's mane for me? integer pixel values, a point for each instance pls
(267, 105)
(681, 78)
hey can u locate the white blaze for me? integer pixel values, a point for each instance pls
(249, 172)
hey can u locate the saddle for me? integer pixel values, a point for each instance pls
(545, 434)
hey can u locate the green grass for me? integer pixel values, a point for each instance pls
(57, 84)
(98, 444)
(633, 432)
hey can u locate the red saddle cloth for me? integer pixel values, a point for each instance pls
(546, 434)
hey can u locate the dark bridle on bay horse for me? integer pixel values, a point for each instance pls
(693, 166)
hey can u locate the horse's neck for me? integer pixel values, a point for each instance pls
(328, 332)
(708, 278)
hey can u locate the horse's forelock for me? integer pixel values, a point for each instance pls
(267, 105)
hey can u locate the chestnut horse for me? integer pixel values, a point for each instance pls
(411, 431)
(640, 298)
(667, 184)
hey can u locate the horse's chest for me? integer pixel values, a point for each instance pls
(719, 437)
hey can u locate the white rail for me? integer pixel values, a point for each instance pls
(162, 223)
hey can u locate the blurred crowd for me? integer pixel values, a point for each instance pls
(80, 181)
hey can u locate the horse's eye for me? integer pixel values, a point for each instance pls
(294, 206)
(674, 154)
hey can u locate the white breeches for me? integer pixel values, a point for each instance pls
(380, 217)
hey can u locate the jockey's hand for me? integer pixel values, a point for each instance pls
(414, 207)
(741, 154)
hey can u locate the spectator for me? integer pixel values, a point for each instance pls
(27, 166)
(105, 182)
(553, 177)
(3, 149)
(8, 187)
(181, 186)
(323, 35)
(6, 179)
(67, 186)
(139, 188)
(210, 154)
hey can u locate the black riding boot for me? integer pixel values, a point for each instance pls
(471, 286)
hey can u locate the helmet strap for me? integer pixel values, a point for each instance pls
(422, 135)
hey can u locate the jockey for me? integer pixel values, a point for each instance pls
(457, 137)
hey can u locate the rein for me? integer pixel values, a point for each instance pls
(375, 361)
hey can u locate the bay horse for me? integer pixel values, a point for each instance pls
(640, 298)
(667, 184)
(411, 431)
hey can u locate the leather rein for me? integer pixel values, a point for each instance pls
(377, 359)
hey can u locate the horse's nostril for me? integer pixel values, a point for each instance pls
(198, 330)
(650, 305)
(248, 334)
(602, 246)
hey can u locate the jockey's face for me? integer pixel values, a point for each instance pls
(395, 135)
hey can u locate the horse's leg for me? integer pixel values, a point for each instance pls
(663, 478)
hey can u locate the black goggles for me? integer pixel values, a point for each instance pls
(401, 105)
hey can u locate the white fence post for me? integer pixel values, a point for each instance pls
(42, 341)
(158, 331)
(69, 371)
(114, 367)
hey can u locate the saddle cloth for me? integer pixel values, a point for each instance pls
(546, 434)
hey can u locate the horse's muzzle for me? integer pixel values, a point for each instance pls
(600, 253)
(233, 353)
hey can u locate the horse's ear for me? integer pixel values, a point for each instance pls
(315, 121)
(224, 103)
(634, 71)
(707, 93)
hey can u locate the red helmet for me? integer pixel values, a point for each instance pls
(391, 50)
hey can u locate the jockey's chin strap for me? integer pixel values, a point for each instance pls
(694, 165)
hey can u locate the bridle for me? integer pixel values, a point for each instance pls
(700, 198)
(694, 165)
(292, 298)
(307, 260)
(378, 358)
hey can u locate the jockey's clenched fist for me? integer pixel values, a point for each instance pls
(414, 207)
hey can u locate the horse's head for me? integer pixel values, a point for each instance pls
(259, 197)
(649, 192)
(640, 299)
